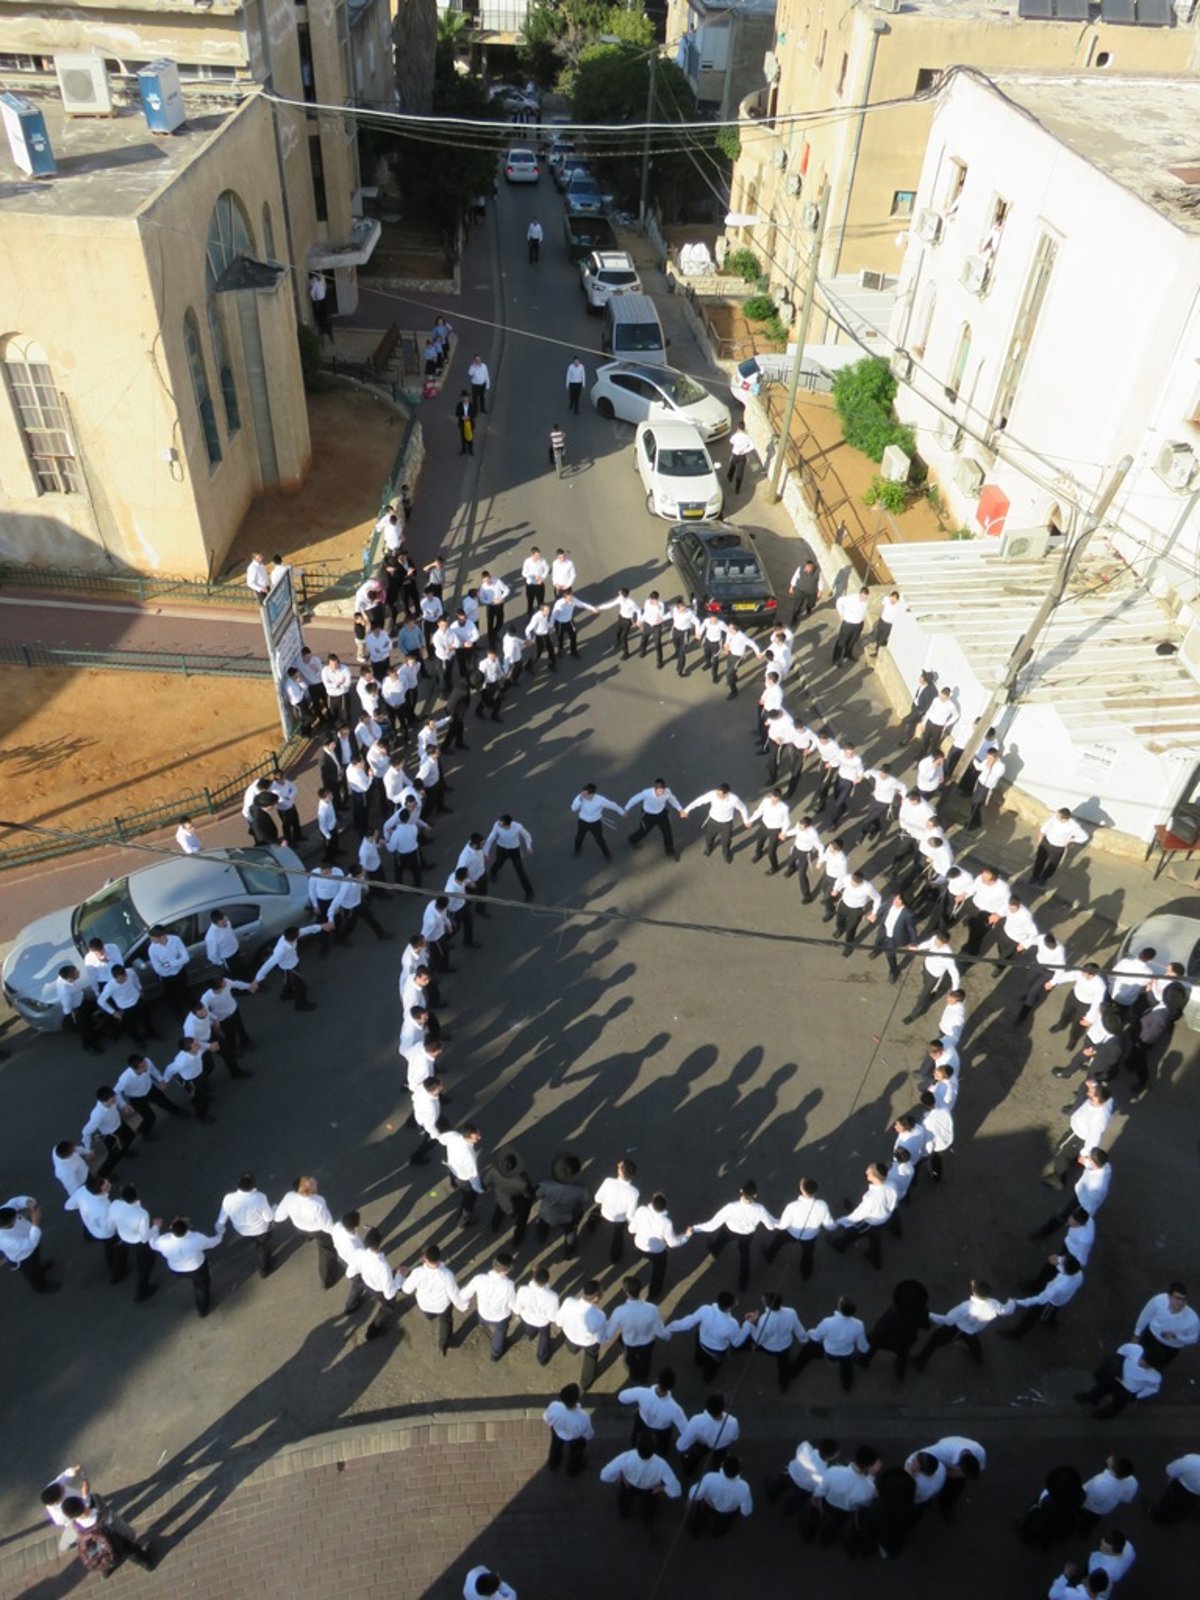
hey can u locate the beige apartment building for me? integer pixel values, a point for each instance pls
(835, 60)
(153, 285)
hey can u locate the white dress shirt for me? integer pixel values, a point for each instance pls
(1141, 1382)
(721, 807)
(285, 956)
(1060, 1291)
(653, 1231)
(739, 1216)
(1105, 1492)
(657, 1411)
(1092, 1186)
(461, 1158)
(581, 1322)
(1186, 1470)
(494, 1295)
(774, 1331)
(1059, 833)
(306, 1212)
(851, 608)
(510, 837)
(949, 1449)
(591, 807)
(371, 1266)
(536, 1304)
(716, 1329)
(804, 1218)
(840, 1335)
(722, 1494)
(617, 1199)
(71, 1171)
(186, 1254)
(247, 1211)
(435, 1288)
(1175, 1329)
(1089, 1121)
(636, 1323)
(653, 1474)
(845, 1488)
(807, 1469)
(132, 1222)
(711, 1432)
(652, 803)
(875, 1207)
(973, 1314)
(568, 1422)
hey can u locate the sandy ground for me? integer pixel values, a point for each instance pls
(354, 442)
(82, 746)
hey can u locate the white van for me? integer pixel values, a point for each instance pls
(632, 330)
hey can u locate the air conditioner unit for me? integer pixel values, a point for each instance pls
(947, 433)
(779, 157)
(1177, 465)
(1024, 544)
(872, 280)
(811, 215)
(890, 6)
(793, 183)
(902, 364)
(83, 83)
(929, 226)
(968, 475)
(976, 270)
(786, 312)
(771, 67)
(162, 98)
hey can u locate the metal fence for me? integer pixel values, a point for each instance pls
(131, 586)
(116, 830)
(391, 492)
(160, 661)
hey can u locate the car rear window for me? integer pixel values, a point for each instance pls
(259, 874)
(638, 336)
(683, 463)
(735, 569)
(618, 280)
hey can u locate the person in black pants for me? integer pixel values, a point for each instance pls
(570, 1430)
(655, 803)
(21, 1243)
(923, 697)
(562, 1202)
(897, 930)
(505, 842)
(512, 1189)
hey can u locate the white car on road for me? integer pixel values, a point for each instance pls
(605, 273)
(521, 166)
(677, 470)
(637, 393)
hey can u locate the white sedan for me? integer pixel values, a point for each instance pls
(677, 470)
(1173, 936)
(521, 166)
(637, 393)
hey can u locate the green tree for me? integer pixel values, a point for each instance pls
(863, 395)
(539, 53)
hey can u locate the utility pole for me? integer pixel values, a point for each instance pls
(646, 142)
(810, 287)
(1006, 692)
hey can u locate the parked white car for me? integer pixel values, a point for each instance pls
(605, 273)
(521, 166)
(1174, 935)
(637, 393)
(677, 471)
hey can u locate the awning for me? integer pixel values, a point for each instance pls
(355, 251)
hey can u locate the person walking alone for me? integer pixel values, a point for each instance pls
(464, 415)
(480, 380)
(534, 236)
(741, 447)
(576, 378)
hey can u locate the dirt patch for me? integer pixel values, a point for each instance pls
(733, 338)
(81, 747)
(355, 438)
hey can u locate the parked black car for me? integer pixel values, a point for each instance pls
(720, 569)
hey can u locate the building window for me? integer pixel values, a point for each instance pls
(42, 418)
(955, 184)
(990, 242)
(958, 368)
(229, 399)
(204, 405)
(821, 47)
(924, 319)
(842, 71)
(1032, 300)
(928, 78)
(317, 162)
(268, 234)
(903, 201)
(228, 239)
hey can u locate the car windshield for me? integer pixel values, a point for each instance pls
(683, 463)
(110, 916)
(684, 390)
(259, 875)
(735, 569)
(582, 184)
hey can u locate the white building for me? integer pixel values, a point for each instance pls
(1048, 315)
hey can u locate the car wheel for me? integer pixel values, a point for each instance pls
(605, 407)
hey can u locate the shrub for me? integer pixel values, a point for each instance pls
(863, 396)
(743, 264)
(758, 308)
(891, 496)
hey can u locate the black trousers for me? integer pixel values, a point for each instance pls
(289, 817)
(443, 1327)
(888, 947)
(781, 1238)
(680, 639)
(541, 1337)
(143, 1262)
(652, 632)
(201, 1287)
(544, 646)
(846, 923)
(575, 1451)
(596, 830)
(383, 1307)
(116, 1145)
(719, 833)
(660, 820)
(644, 1501)
(408, 863)
(717, 1242)
(495, 622)
(329, 1268)
(513, 855)
(295, 989)
(702, 1517)
(33, 1270)
(568, 637)
(589, 1359)
(535, 596)
(766, 842)
(621, 636)
(637, 1361)
(364, 911)
(931, 988)
(798, 864)
(574, 392)
(1046, 861)
(848, 635)
(658, 1273)
(1109, 1389)
(944, 1336)
(262, 1252)
(803, 605)
(175, 993)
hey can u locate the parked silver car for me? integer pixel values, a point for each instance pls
(247, 883)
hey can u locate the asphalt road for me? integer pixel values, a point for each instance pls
(692, 1015)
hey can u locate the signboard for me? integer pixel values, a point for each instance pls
(281, 627)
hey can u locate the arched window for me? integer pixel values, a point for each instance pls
(962, 354)
(204, 405)
(268, 233)
(228, 238)
(924, 319)
(41, 417)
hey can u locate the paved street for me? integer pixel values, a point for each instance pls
(693, 1015)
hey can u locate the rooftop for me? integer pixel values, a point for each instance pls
(1142, 132)
(1096, 664)
(107, 166)
(1062, 13)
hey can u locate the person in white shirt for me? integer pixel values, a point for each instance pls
(928, 1475)
(368, 1274)
(889, 609)
(775, 1331)
(773, 819)
(1059, 1289)
(656, 802)
(844, 1490)
(70, 1165)
(964, 1322)
(853, 895)
(1087, 1126)
(722, 805)
(337, 684)
(1056, 835)
(638, 1324)
(643, 1478)
(509, 841)
(629, 617)
(21, 1239)
(739, 1220)
(258, 580)
(841, 1338)
(852, 615)
(107, 1125)
(801, 1221)
(1129, 1375)
(654, 622)
(537, 1305)
(495, 1298)
(876, 1207)
(717, 1332)
(576, 378)
(719, 1499)
(251, 1215)
(1181, 1498)
(482, 1583)
(437, 1295)
(659, 1414)
(988, 779)
(493, 592)
(964, 1461)
(848, 774)
(461, 1148)
(570, 1429)
(535, 569)
(185, 1252)
(304, 1208)
(1166, 1325)
(77, 1002)
(286, 956)
(938, 975)
(582, 1324)
(712, 1432)
(1113, 1486)
(134, 1232)
(1087, 992)
(653, 1234)
(804, 1472)
(1114, 1558)
(616, 1200)
(187, 838)
(589, 808)
(539, 631)
(940, 713)
(138, 1088)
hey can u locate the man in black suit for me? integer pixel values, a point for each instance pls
(464, 415)
(897, 929)
(333, 774)
(923, 698)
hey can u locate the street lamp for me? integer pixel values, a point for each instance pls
(810, 286)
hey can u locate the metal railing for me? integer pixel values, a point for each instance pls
(207, 800)
(135, 587)
(191, 664)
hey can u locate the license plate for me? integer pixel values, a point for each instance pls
(744, 605)
(691, 513)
